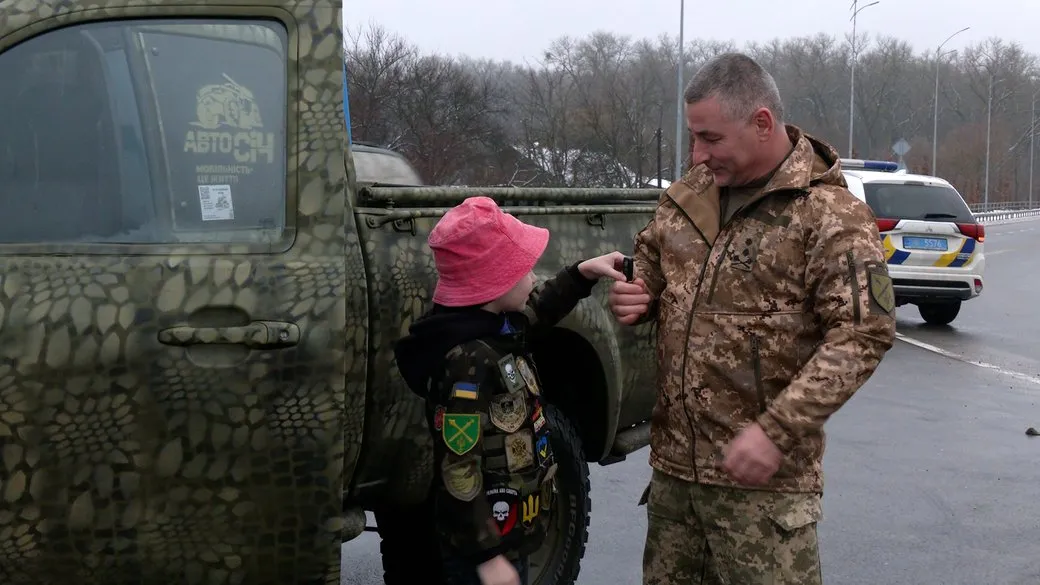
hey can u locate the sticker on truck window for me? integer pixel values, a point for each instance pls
(215, 201)
(228, 123)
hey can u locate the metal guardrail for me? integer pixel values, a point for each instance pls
(1003, 206)
(999, 215)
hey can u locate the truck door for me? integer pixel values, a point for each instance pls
(172, 281)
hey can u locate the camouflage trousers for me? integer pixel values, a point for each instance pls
(709, 535)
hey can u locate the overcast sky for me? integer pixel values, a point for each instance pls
(519, 30)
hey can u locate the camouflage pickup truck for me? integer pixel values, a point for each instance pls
(198, 302)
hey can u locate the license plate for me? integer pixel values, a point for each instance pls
(936, 244)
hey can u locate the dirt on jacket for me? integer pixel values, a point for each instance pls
(777, 317)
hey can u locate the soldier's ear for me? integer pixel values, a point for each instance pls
(764, 123)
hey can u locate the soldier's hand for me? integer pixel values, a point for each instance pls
(752, 458)
(629, 300)
(606, 265)
(498, 571)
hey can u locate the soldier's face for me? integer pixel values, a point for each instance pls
(731, 149)
(516, 298)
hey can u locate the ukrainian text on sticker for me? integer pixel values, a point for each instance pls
(464, 390)
(508, 411)
(462, 479)
(528, 375)
(461, 432)
(507, 366)
(504, 502)
(519, 450)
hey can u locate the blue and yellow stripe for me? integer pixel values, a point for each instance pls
(954, 259)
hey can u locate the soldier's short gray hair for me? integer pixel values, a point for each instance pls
(739, 83)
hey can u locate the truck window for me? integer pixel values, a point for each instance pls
(374, 166)
(146, 132)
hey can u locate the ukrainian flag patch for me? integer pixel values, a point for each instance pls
(464, 390)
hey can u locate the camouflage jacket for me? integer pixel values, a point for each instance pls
(777, 317)
(494, 464)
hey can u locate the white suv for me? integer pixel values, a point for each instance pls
(933, 244)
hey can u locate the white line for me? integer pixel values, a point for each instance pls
(958, 357)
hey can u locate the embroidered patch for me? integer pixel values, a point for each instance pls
(532, 507)
(438, 418)
(461, 432)
(538, 418)
(528, 375)
(464, 390)
(542, 448)
(519, 450)
(507, 366)
(508, 411)
(881, 289)
(462, 479)
(504, 502)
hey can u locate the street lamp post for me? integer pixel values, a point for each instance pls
(989, 117)
(935, 121)
(1032, 140)
(852, 79)
(679, 95)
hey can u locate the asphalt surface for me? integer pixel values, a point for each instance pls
(930, 477)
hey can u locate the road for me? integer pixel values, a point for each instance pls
(930, 477)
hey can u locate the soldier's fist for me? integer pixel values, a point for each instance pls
(629, 300)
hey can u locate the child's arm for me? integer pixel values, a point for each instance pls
(554, 299)
(470, 378)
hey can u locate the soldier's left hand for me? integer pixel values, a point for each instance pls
(752, 458)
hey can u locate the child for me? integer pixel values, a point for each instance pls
(467, 358)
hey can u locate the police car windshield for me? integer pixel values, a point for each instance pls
(917, 201)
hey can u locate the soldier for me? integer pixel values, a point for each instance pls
(468, 360)
(768, 284)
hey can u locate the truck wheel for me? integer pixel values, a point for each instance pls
(939, 313)
(558, 560)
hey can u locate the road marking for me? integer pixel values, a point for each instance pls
(960, 358)
(996, 252)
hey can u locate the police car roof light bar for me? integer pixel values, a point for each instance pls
(869, 165)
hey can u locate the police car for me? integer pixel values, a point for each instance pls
(933, 243)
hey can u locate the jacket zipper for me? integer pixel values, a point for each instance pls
(854, 282)
(756, 363)
(686, 345)
(715, 275)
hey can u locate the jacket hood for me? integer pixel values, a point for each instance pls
(811, 162)
(422, 351)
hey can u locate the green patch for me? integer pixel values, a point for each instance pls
(461, 432)
(881, 290)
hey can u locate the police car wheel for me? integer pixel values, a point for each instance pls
(558, 560)
(939, 313)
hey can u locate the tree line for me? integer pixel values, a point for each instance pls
(600, 111)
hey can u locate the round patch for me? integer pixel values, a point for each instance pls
(462, 478)
(508, 411)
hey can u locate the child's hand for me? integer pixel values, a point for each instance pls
(600, 266)
(498, 571)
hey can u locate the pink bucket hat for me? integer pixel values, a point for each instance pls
(481, 252)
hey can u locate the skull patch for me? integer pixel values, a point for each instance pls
(504, 503)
